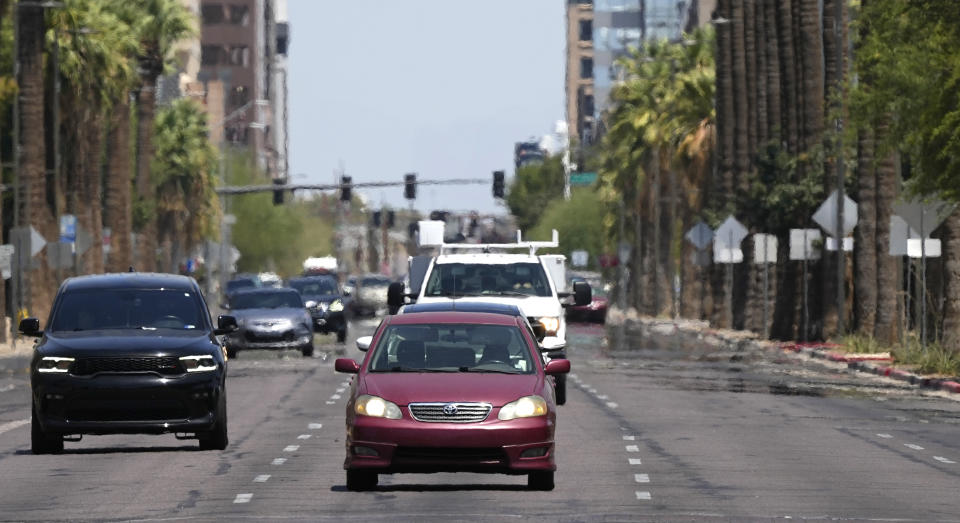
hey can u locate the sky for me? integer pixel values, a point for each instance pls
(442, 88)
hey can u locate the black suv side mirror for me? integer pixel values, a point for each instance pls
(225, 325)
(30, 327)
(582, 293)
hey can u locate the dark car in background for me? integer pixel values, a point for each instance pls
(326, 303)
(370, 294)
(273, 318)
(128, 353)
(596, 310)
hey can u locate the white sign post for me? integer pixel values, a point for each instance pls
(803, 248)
(923, 216)
(765, 253)
(726, 249)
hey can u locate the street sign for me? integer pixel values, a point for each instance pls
(84, 241)
(723, 254)
(931, 248)
(700, 235)
(831, 244)
(623, 252)
(803, 244)
(730, 233)
(579, 258)
(6, 260)
(107, 239)
(826, 215)
(583, 179)
(68, 228)
(60, 255)
(923, 216)
(37, 242)
(900, 232)
(764, 248)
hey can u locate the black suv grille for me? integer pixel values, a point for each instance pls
(159, 365)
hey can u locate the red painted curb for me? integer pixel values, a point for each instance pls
(950, 386)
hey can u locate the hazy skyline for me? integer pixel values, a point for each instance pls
(438, 87)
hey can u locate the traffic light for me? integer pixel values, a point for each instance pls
(498, 189)
(345, 182)
(376, 218)
(410, 186)
(278, 193)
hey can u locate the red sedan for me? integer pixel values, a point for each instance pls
(451, 392)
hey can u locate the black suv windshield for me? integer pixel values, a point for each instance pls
(96, 309)
(266, 300)
(315, 286)
(478, 279)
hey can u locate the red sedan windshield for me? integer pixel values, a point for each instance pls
(452, 348)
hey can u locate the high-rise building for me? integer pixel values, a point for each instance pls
(243, 54)
(601, 31)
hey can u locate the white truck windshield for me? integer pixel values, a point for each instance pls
(478, 279)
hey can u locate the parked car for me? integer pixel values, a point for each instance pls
(270, 318)
(326, 303)
(128, 353)
(450, 392)
(370, 294)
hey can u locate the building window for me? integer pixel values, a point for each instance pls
(211, 54)
(588, 107)
(239, 15)
(586, 30)
(212, 14)
(586, 68)
(239, 55)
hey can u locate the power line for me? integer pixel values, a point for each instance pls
(246, 189)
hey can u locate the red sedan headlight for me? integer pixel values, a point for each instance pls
(376, 407)
(525, 407)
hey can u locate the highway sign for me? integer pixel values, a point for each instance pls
(583, 179)
(68, 228)
(700, 235)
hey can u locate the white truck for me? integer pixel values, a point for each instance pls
(495, 273)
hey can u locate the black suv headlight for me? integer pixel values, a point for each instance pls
(56, 364)
(198, 363)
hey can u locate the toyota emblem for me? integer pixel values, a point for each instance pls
(450, 409)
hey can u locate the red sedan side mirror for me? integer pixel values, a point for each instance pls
(555, 367)
(352, 367)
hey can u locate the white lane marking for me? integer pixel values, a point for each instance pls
(315, 426)
(340, 390)
(629, 438)
(278, 461)
(643, 495)
(303, 436)
(602, 397)
(345, 384)
(635, 461)
(942, 459)
(243, 498)
(633, 448)
(641, 478)
(592, 391)
(330, 402)
(291, 448)
(335, 397)
(10, 425)
(884, 436)
(8, 387)
(262, 478)
(913, 446)
(612, 405)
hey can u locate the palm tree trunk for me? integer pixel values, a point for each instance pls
(774, 121)
(759, 74)
(791, 101)
(865, 238)
(146, 111)
(887, 328)
(726, 129)
(119, 188)
(91, 215)
(951, 291)
(39, 285)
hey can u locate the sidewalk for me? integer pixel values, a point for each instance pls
(693, 333)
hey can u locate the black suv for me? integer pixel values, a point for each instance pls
(326, 303)
(128, 353)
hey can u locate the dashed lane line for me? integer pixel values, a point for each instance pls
(330, 402)
(291, 448)
(243, 498)
(303, 436)
(644, 495)
(315, 426)
(633, 448)
(641, 478)
(635, 461)
(629, 438)
(8, 387)
(913, 446)
(340, 390)
(335, 397)
(612, 405)
(942, 459)
(262, 478)
(278, 461)
(884, 436)
(10, 425)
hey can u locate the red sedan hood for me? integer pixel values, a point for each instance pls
(403, 388)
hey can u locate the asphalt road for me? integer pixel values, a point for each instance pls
(647, 434)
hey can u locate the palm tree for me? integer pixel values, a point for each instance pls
(34, 210)
(160, 24)
(865, 237)
(185, 167)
